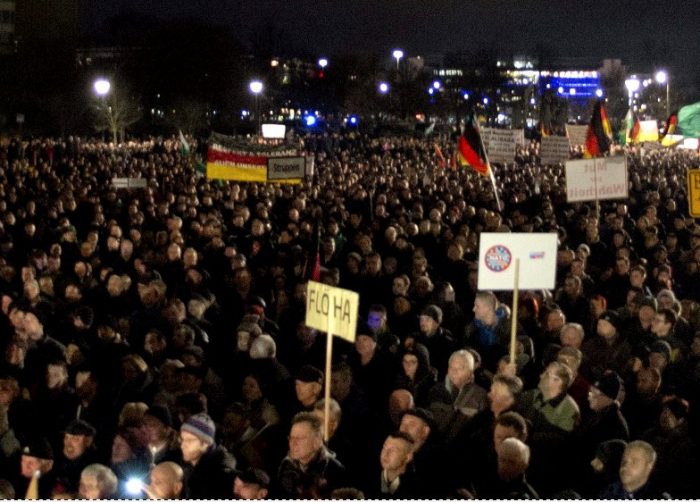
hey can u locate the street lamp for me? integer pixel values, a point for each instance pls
(632, 85)
(323, 62)
(398, 54)
(101, 87)
(256, 87)
(662, 78)
(383, 87)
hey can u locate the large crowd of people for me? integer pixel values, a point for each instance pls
(153, 343)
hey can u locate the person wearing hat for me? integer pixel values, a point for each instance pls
(163, 440)
(371, 367)
(208, 467)
(439, 341)
(419, 424)
(78, 452)
(258, 306)
(606, 420)
(606, 351)
(605, 467)
(308, 385)
(37, 456)
(251, 484)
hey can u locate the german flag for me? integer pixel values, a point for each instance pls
(671, 124)
(598, 137)
(470, 148)
(632, 127)
(544, 131)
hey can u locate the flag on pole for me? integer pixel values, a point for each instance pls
(599, 134)
(442, 163)
(471, 149)
(671, 124)
(184, 145)
(316, 272)
(632, 127)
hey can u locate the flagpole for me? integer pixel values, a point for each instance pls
(488, 163)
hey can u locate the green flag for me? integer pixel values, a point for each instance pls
(689, 121)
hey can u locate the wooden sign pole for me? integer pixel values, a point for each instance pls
(514, 313)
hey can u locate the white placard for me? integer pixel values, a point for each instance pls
(596, 179)
(285, 168)
(690, 144)
(501, 146)
(538, 261)
(519, 137)
(273, 131)
(309, 165)
(129, 183)
(554, 149)
(577, 134)
(333, 310)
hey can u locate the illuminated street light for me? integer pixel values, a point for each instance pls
(632, 85)
(398, 54)
(437, 85)
(101, 87)
(599, 93)
(662, 78)
(383, 87)
(256, 87)
(323, 62)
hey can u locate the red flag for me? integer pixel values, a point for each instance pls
(471, 149)
(442, 163)
(598, 137)
(316, 272)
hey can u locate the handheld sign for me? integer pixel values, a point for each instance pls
(538, 260)
(694, 192)
(333, 310)
(596, 179)
(554, 149)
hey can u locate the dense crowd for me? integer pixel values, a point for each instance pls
(153, 341)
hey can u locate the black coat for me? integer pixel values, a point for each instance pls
(212, 477)
(323, 475)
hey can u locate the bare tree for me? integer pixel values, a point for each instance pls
(116, 111)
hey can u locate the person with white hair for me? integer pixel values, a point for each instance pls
(98, 482)
(513, 461)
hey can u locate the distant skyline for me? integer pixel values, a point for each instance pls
(633, 30)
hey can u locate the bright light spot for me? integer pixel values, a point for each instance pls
(101, 86)
(486, 101)
(353, 119)
(437, 84)
(599, 93)
(310, 120)
(661, 77)
(632, 84)
(274, 63)
(532, 101)
(323, 62)
(465, 95)
(431, 91)
(256, 87)
(134, 486)
(383, 87)
(560, 90)
(398, 54)
(572, 91)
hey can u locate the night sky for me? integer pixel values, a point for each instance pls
(634, 30)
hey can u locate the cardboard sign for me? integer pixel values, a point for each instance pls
(333, 310)
(129, 183)
(648, 131)
(554, 149)
(538, 261)
(577, 134)
(501, 146)
(596, 179)
(285, 168)
(694, 192)
(274, 131)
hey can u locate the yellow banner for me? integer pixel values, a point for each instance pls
(251, 173)
(333, 310)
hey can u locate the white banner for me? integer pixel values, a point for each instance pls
(596, 179)
(519, 137)
(577, 134)
(538, 261)
(554, 149)
(129, 183)
(285, 168)
(648, 131)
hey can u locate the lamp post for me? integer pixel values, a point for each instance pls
(662, 78)
(323, 62)
(101, 87)
(256, 87)
(383, 88)
(398, 54)
(632, 85)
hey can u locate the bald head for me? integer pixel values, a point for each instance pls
(166, 481)
(400, 401)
